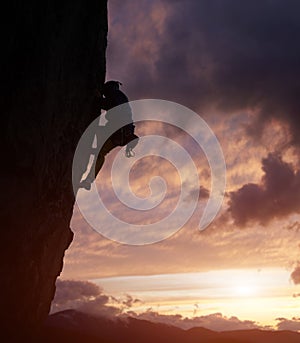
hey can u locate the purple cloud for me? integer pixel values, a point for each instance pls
(277, 195)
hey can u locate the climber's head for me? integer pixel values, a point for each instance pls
(110, 87)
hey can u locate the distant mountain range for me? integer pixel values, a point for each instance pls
(77, 327)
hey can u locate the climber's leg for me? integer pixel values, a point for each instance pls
(97, 164)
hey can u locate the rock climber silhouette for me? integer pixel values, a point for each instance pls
(112, 97)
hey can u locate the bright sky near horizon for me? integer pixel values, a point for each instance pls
(232, 63)
(259, 294)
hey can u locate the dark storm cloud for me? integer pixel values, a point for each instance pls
(277, 196)
(234, 55)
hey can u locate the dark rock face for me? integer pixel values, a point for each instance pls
(52, 61)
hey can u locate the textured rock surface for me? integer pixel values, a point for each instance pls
(53, 60)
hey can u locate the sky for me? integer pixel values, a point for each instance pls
(235, 64)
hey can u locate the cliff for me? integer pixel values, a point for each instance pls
(53, 60)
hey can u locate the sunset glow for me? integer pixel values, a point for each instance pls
(248, 294)
(243, 270)
(246, 291)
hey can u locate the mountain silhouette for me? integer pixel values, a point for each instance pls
(74, 326)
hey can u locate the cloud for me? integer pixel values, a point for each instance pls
(202, 194)
(82, 295)
(288, 324)
(295, 226)
(228, 55)
(87, 297)
(130, 301)
(91, 256)
(277, 195)
(295, 275)
(215, 321)
(71, 290)
(233, 56)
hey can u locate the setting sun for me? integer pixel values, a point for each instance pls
(230, 292)
(245, 291)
